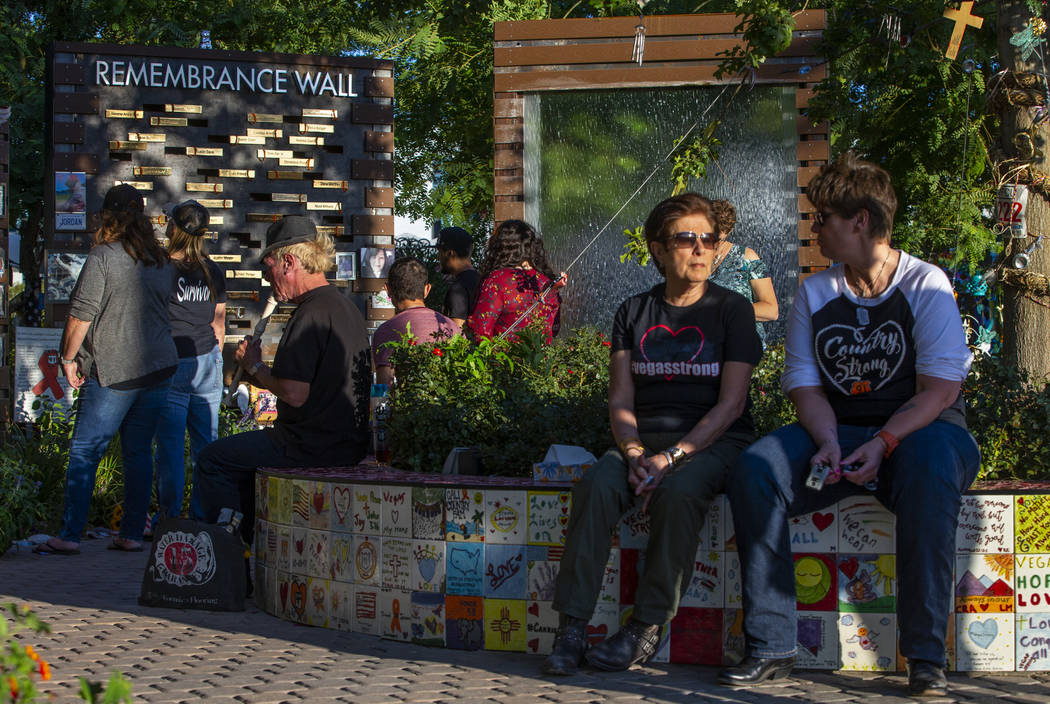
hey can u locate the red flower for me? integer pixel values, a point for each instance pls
(570, 371)
(412, 341)
(438, 352)
(606, 343)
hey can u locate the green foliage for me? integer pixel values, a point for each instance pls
(636, 249)
(692, 161)
(23, 503)
(766, 27)
(770, 408)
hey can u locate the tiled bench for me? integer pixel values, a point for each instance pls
(470, 562)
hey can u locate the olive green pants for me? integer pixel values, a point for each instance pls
(676, 514)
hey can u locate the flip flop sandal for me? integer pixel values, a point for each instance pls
(123, 548)
(49, 549)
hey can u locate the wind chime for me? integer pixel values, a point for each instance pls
(639, 34)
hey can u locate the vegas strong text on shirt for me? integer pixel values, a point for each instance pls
(678, 353)
(865, 353)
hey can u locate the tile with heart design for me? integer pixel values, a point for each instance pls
(604, 622)
(867, 583)
(696, 636)
(317, 602)
(341, 559)
(706, 584)
(548, 517)
(298, 598)
(818, 640)
(396, 511)
(395, 614)
(364, 609)
(816, 581)
(342, 508)
(282, 586)
(464, 622)
(984, 583)
(868, 641)
(1033, 641)
(367, 509)
(986, 524)
(465, 569)
(367, 556)
(464, 515)
(505, 517)
(816, 531)
(318, 553)
(504, 624)
(986, 642)
(541, 623)
(339, 599)
(320, 505)
(428, 619)
(865, 525)
(300, 550)
(1032, 583)
(428, 566)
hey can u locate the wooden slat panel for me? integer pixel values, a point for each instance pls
(811, 256)
(655, 26)
(68, 133)
(380, 313)
(379, 87)
(372, 224)
(368, 285)
(69, 74)
(372, 114)
(805, 174)
(804, 206)
(509, 185)
(379, 197)
(807, 126)
(372, 169)
(682, 49)
(379, 142)
(505, 158)
(814, 150)
(805, 230)
(645, 76)
(509, 133)
(504, 107)
(75, 103)
(5, 378)
(75, 161)
(802, 96)
(509, 210)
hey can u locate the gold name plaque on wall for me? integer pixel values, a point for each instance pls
(204, 187)
(125, 114)
(176, 107)
(264, 132)
(152, 171)
(254, 117)
(168, 121)
(137, 185)
(203, 151)
(147, 137)
(332, 184)
(301, 139)
(274, 153)
(321, 112)
(216, 203)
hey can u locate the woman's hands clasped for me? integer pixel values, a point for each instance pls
(644, 474)
(867, 458)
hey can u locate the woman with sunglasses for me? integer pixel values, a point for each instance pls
(682, 355)
(876, 356)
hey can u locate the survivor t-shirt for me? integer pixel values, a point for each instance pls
(325, 345)
(192, 308)
(678, 352)
(462, 294)
(866, 352)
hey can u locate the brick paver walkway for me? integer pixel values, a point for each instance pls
(90, 601)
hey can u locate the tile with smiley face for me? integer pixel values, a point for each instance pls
(505, 517)
(816, 582)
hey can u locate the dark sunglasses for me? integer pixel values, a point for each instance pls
(687, 240)
(820, 217)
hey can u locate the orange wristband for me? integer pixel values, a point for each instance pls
(890, 440)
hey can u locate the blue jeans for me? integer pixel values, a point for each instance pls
(102, 412)
(193, 403)
(921, 483)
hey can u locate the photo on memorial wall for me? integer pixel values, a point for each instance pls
(63, 269)
(345, 266)
(3, 264)
(38, 375)
(381, 299)
(70, 201)
(3, 304)
(375, 262)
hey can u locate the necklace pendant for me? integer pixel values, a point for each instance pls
(862, 316)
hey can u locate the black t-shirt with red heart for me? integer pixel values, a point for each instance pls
(677, 354)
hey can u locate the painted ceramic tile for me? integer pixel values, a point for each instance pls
(728, 529)
(342, 508)
(339, 604)
(263, 592)
(318, 553)
(542, 576)
(604, 622)
(868, 641)
(1032, 583)
(464, 569)
(397, 512)
(262, 491)
(553, 472)
(986, 524)
(984, 642)
(541, 553)
(505, 519)
(548, 516)
(506, 573)
(317, 602)
(300, 555)
(367, 508)
(712, 532)
(341, 561)
(428, 619)
(706, 587)
(283, 595)
(632, 563)
(395, 614)
(320, 505)
(610, 591)
(1033, 641)
(364, 610)
(663, 646)
(428, 513)
(541, 623)
(816, 582)
(464, 622)
(984, 583)
(286, 497)
(1032, 523)
(815, 532)
(273, 544)
(634, 530)
(505, 625)
(867, 583)
(368, 560)
(396, 563)
(259, 549)
(949, 650)
(301, 489)
(696, 636)
(818, 640)
(865, 526)
(273, 499)
(284, 548)
(464, 515)
(733, 587)
(733, 646)
(428, 567)
(297, 598)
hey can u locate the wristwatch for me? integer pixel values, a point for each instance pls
(677, 455)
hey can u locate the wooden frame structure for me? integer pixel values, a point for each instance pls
(680, 50)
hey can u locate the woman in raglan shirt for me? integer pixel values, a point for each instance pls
(876, 357)
(682, 355)
(198, 324)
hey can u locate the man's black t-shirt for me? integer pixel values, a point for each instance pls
(325, 345)
(462, 294)
(192, 308)
(677, 353)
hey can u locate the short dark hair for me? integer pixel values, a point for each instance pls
(850, 184)
(667, 212)
(407, 280)
(455, 239)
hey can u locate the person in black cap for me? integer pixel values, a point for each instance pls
(198, 325)
(321, 376)
(454, 246)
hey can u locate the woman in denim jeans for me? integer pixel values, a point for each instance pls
(875, 360)
(198, 326)
(117, 350)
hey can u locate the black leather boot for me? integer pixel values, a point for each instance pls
(570, 643)
(926, 679)
(634, 643)
(754, 670)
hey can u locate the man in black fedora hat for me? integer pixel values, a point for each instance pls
(321, 376)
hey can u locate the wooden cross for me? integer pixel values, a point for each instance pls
(962, 17)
